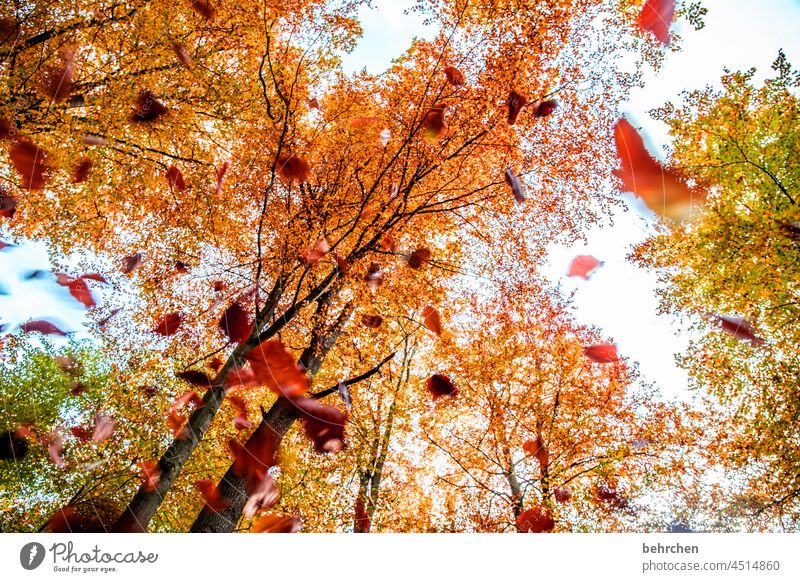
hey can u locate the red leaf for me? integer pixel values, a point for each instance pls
(252, 462)
(176, 179)
(535, 520)
(8, 204)
(515, 103)
(538, 450)
(236, 324)
(431, 320)
(82, 433)
(54, 441)
(323, 424)
(276, 523)
(211, 495)
(439, 386)
(204, 9)
(78, 289)
(371, 321)
(609, 494)
(362, 521)
(151, 474)
(13, 445)
(544, 108)
(56, 82)
(583, 266)
(169, 324)
(374, 276)
(434, 124)
(67, 520)
(388, 244)
(358, 122)
(30, 162)
(221, 171)
(195, 378)
(240, 421)
(419, 257)
(656, 17)
(182, 54)
(516, 186)
(41, 326)
(272, 366)
(739, 328)
(341, 263)
(82, 170)
(316, 252)
(181, 267)
(131, 263)
(562, 494)
(147, 108)
(602, 353)
(293, 169)
(454, 76)
(103, 427)
(659, 188)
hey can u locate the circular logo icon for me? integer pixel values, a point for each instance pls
(31, 555)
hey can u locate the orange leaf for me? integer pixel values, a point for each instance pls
(602, 353)
(454, 76)
(434, 124)
(431, 320)
(276, 523)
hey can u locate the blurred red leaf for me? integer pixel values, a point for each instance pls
(601, 353)
(562, 494)
(439, 385)
(41, 326)
(419, 257)
(182, 54)
(67, 520)
(195, 377)
(272, 366)
(535, 520)
(131, 262)
(388, 244)
(583, 266)
(608, 494)
(77, 288)
(341, 263)
(371, 321)
(31, 163)
(434, 124)
(659, 188)
(220, 175)
(8, 204)
(323, 424)
(56, 81)
(240, 421)
(169, 324)
(656, 17)
(235, 323)
(252, 462)
(175, 179)
(538, 450)
(211, 495)
(454, 76)
(276, 523)
(516, 186)
(148, 108)
(181, 267)
(82, 433)
(54, 441)
(544, 108)
(82, 170)
(204, 8)
(515, 103)
(344, 394)
(374, 276)
(362, 521)
(104, 426)
(431, 319)
(293, 169)
(313, 254)
(151, 474)
(739, 328)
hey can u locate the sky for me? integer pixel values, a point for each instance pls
(619, 298)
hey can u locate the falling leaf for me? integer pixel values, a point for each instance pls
(68, 520)
(431, 320)
(374, 276)
(602, 353)
(344, 394)
(314, 253)
(384, 137)
(362, 521)
(56, 81)
(54, 441)
(211, 495)
(82, 433)
(42, 326)
(583, 266)
(148, 108)
(131, 262)
(220, 175)
(371, 321)
(358, 122)
(608, 494)
(293, 169)
(739, 328)
(264, 495)
(515, 103)
(31, 163)
(454, 76)
(82, 170)
(656, 17)
(8, 204)
(535, 520)
(433, 123)
(544, 108)
(195, 378)
(276, 523)
(204, 8)
(182, 54)
(341, 264)
(313, 103)
(323, 424)
(235, 323)
(252, 462)
(93, 140)
(104, 426)
(169, 324)
(661, 189)
(77, 288)
(516, 186)
(175, 179)
(538, 450)
(271, 365)
(180, 267)
(13, 445)
(439, 385)
(388, 244)
(240, 421)
(562, 494)
(151, 474)
(418, 257)
(790, 229)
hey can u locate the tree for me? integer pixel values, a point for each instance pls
(735, 269)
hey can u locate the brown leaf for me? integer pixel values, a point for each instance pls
(169, 324)
(562, 494)
(270, 365)
(131, 262)
(439, 385)
(374, 276)
(431, 320)
(419, 257)
(276, 523)
(544, 108)
(8, 204)
(583, 266)
(516, 186)
(175, 179)
(148, 108)
(204, 9)
(13, 445)
(601, 353)
(31, 163)
(323, 424)
(236, 324)
(371, 321)
(293, 169)
(535, 520)
(56, 81)
(82, 170)
(195, 378)
(515, 103)
(182, 54)
(434, 123)
(104, 426)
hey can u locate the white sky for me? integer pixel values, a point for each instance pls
(619, 297)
